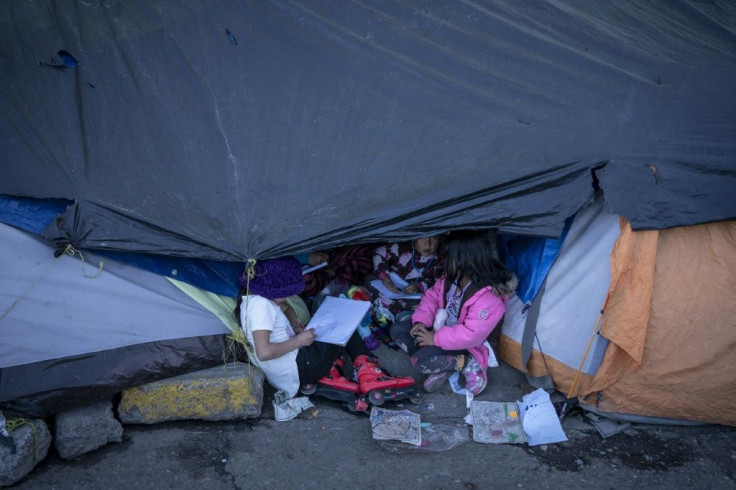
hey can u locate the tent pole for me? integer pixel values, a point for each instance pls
(585, 355)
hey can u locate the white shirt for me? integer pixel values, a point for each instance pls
(259, 313)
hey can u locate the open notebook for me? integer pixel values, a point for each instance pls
(400, 285)
(337, 318)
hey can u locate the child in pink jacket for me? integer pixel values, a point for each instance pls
(448, 329)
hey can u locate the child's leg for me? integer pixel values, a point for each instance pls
(314, 361)
(400, 334)
(356, 347)
(432, 359)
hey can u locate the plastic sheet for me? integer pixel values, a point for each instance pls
(435, 438)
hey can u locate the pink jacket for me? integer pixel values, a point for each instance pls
(478, 316)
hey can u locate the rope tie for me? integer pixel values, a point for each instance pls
(13, 424)
(248, 273)
(250, 269)
(71, 252)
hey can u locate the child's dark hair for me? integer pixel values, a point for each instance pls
(241, 293)
(471, 253)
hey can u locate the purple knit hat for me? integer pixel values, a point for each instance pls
(275, 278)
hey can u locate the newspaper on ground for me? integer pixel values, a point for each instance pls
(285, 408)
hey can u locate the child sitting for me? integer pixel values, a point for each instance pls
(346, 266)
(449, 328)
(289, 355)
(417, 265)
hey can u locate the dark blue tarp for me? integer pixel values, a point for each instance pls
(35, 215)
(235, 129)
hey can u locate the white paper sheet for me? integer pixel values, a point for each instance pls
(539, 419)
(398, 281)
(337, 318)
(287, 408)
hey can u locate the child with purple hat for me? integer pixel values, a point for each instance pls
(289, 355)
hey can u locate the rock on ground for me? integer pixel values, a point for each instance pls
(32, 440)
(86, 428)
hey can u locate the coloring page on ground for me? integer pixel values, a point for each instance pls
(396, 425)
(496, 423)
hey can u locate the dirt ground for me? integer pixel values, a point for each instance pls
(328, 447)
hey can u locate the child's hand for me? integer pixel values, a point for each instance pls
(386, 280)
(417, 326)
(291, 316)
(424, 337)
(305, 338)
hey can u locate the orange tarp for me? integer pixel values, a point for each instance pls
(671, 320)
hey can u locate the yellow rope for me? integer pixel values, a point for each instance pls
(239, 336)
(250, 270)
(13, 424)
(71, 251)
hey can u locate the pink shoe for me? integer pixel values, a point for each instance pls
(475, 377)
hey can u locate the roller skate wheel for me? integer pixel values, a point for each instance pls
(417, 399)
(358, 406)
(308, 389)
(376, 397)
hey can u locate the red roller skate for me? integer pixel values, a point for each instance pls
(335, 386)
(378, 385)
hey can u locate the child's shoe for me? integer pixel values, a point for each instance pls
(435, 380)
(371, 376)
(475, 377)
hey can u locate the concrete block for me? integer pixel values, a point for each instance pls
(86, 428)
(32, 440)
(229, 392)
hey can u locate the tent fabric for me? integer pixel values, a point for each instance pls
(72, 333)
(59, 307)
(44, 388)
(219, 277)
(530, 258)
(30, 214)
(665, 347)
(243, 129)
(690, 346)
(576, 289)
(627, 306)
